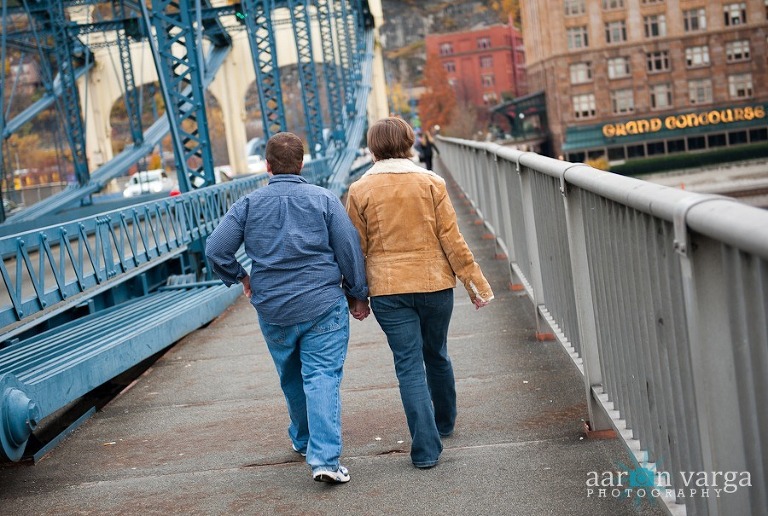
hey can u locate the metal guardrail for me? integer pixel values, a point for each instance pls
(46, 271)
(660, 296)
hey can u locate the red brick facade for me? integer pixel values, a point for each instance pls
(484, 66)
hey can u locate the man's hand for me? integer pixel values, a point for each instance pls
(479, 303)
(246, 281)
(359, 308)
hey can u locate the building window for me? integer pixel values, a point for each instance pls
(615, 32)
(695, 19)
(622, 101)
(655, 148)
(661, 96)
(657, 61)
(618, 67)
(740, 85)
(487, 81)
(635, 151)
(613, 4)
(584, 106)
(738, 138)
(446, 49)
(655, 26)
(577, 37)
(700, 91)
(737, 51)
(652, 2)
(449, 66)
(581, 73)
(735, 14)
(697, 142)
(676, 145)
(616, 154)
(486, 62)
(696, 56)
(758, 135)
(575, 7)
(483, 43)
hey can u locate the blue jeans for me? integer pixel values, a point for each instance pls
(309, 358)
(416, 326)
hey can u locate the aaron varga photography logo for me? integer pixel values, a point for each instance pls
(644, 481)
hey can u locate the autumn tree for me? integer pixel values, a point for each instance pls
(507, 9)
(465, 123)
(437, 102)
(398, 99)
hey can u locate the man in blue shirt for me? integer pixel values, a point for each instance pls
(307, 270)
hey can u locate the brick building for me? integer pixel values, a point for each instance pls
(483, 65)
(627, 79)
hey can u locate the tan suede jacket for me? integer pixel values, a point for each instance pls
(409, 233)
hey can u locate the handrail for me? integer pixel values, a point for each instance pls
(48, 270)
(659, 297)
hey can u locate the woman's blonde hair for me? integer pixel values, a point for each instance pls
(391, 137)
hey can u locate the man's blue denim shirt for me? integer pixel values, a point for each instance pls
(301, 243)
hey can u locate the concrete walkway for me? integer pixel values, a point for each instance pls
(204, 430)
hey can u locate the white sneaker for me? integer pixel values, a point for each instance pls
(303, 453)
(339, 476)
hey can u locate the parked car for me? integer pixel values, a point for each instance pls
(148, 181)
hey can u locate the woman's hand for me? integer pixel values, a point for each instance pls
(359, 308)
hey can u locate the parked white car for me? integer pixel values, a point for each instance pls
(148, 181)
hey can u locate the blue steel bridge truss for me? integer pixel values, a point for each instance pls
(91, 293)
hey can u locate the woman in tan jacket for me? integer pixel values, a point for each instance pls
(413, 253)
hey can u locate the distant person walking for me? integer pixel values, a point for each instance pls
(414, 251)
(306, 257)
(426, 149)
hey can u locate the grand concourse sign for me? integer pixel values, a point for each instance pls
(676, 132)
(684, 121)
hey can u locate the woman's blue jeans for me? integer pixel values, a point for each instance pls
(309, 358)
(416, 326)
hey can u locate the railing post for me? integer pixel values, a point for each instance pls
(529, 219)
(505, 220)
(585, 313)
(711, 350)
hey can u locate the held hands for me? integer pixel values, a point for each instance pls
(359, 308)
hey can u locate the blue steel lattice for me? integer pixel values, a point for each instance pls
(313, 117)
(330, 69)
(257, 16)
(54, 16)
(347, 50)
(132, 104)
(181, 81)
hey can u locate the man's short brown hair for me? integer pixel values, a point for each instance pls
(391, 137)
(285, 153)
